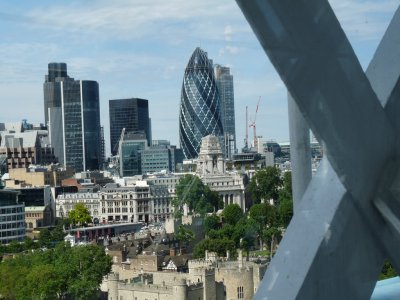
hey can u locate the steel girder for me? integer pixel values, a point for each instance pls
(347, 222)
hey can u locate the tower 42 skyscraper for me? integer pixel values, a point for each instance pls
(72, 113)
(199, 114)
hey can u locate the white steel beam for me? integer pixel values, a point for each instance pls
(336, 242)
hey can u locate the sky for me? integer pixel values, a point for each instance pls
(140, 48)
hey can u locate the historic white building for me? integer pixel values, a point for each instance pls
(137, 203)
(211, 169)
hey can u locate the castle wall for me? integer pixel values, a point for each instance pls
(234, 278)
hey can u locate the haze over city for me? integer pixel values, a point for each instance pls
(141, 48)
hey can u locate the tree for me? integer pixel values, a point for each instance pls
(62, 272)
(387, 271)
(198, 197)
(45, 238)
(269, 235)
(220, 246)
(58, 233)
(184, 235)
(211, 222)
(286, 200)
(80, 215)
(232, 213)
(265, 184)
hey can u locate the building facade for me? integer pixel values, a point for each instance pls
(72, 113)
(212, 171)
(224, 80)
(200, 108)
(12, 217)
(23, 148)
(131, 114)
(130, 148)
(141, 202)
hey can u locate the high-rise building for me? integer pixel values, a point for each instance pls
(131, 114)
(130, 146)
(72, 113)
(200, 105)
(224, 81)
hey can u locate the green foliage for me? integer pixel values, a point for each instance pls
(198, 197)
(286, 200)
(184, 234)
(245, 233)
(387, 271)
(220, 246)
(80, 215)
(58, 234)
(232, 213)
(56, 273)
(45, 239)
(211, 222)
(265, 184)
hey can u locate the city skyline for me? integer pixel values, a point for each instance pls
(140, 49)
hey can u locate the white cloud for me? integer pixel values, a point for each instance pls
(228, 32)
(364, 20)
(233, 50)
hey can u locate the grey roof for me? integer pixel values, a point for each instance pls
(20, 139)
(14, 127)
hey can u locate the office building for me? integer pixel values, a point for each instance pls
(12, 217)
(130, 146)
(131, 114)
(20, 149)
(224, 81)
(199, 114)
(72, 113)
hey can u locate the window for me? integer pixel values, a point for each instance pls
(240, 293)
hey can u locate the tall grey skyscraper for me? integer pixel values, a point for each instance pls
(200, 104)
(72, 113)
(131, 114)
(224, 81)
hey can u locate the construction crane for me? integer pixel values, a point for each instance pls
(253, 124)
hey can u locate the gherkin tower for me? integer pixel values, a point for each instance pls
(199, 114)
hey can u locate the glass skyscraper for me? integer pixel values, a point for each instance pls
(130, 147)
(199, 114)
(72, 113)
(224, 81)
(131, 114)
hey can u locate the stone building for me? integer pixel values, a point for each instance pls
(209, 279)
(38, 216)
(36, 175)
(137, 203)
(212, 171)
(67, 202)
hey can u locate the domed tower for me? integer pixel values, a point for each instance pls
(199, 114)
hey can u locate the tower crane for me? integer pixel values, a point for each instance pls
(253, 124)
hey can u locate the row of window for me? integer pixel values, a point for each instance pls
(33, 215)
(11, 210)
(11, 218)
(5, 226)
(11, 233)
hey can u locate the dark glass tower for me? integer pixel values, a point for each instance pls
(199, 114)
(72, 112)
(51, 87)
(225, 87)
(131, 114)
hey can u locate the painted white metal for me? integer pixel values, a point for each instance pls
(337, 240)
(300, 152)
(63, 123)
(83, 126)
